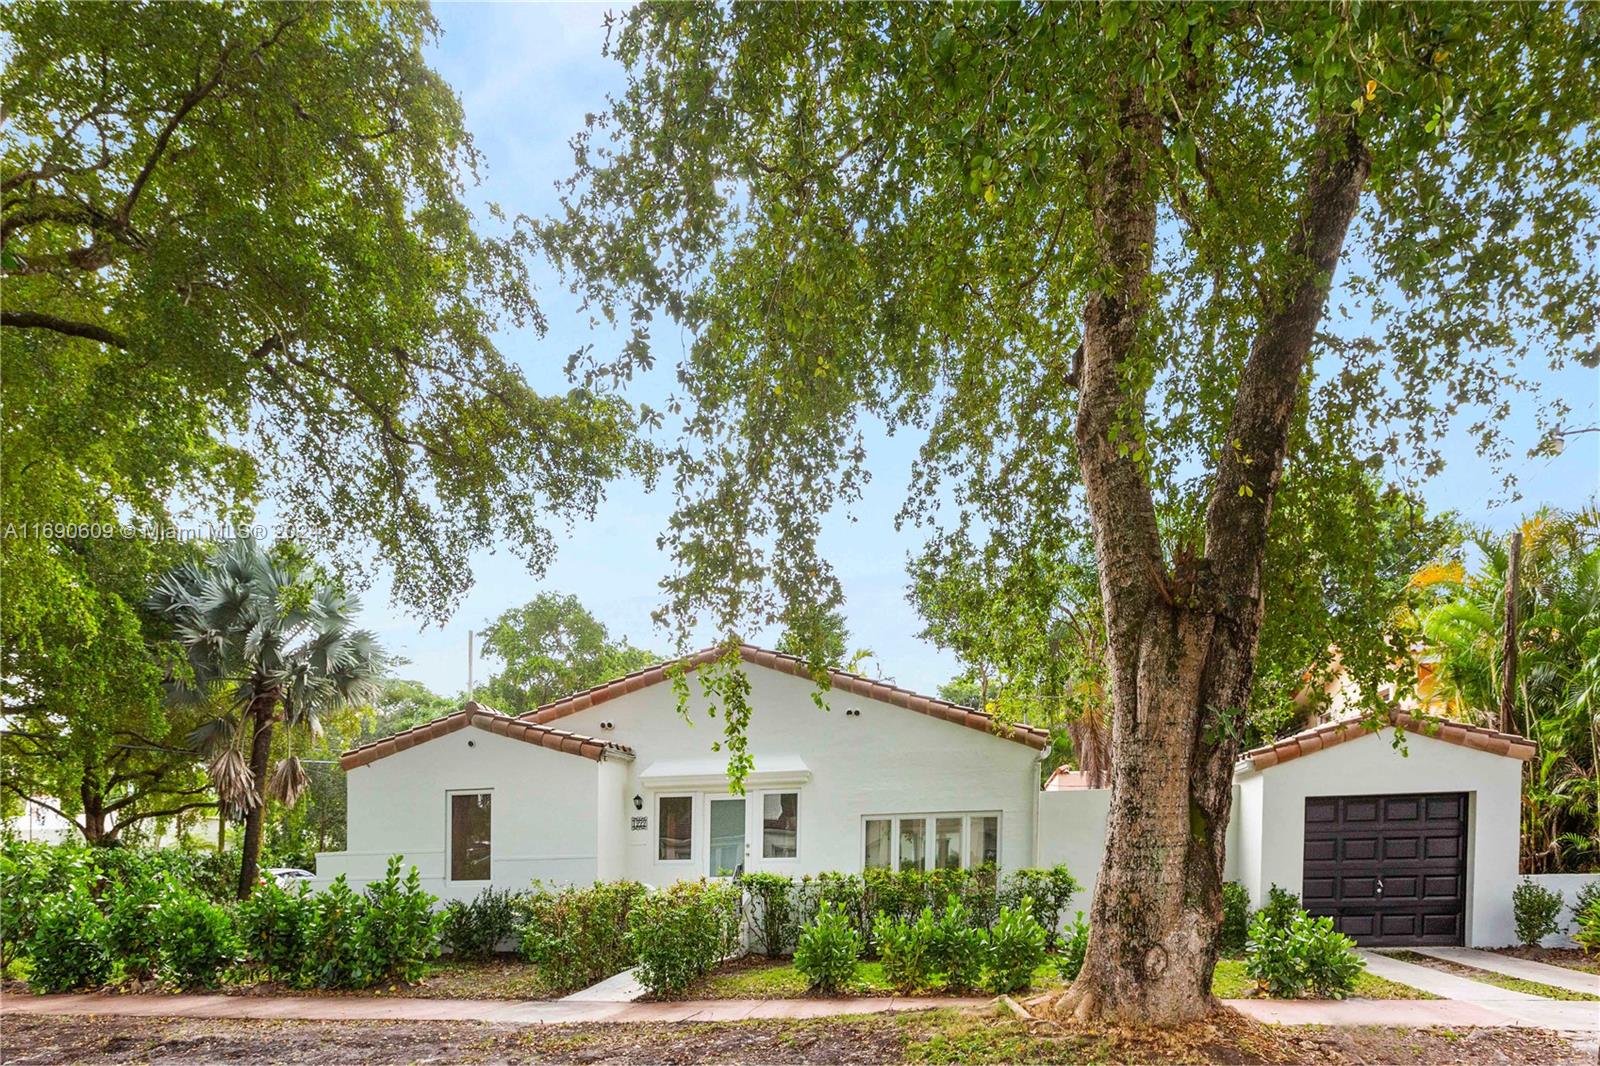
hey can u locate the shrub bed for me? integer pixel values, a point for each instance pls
(577, 936)
(678, 934)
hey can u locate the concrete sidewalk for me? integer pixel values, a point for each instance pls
(1523, 969)
(1512, 1009)
(525, 1012)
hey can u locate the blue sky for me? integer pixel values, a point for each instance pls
(527, 74)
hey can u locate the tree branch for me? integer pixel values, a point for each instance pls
(64, 326)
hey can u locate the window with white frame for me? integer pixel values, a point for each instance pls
(947, 841)
(470, 824)
(675, 828)
(780, 825)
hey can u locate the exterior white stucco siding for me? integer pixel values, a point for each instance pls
(543, 813)
(1272, 803)
(884, 760)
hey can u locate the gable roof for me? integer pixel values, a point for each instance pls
(490, 721)
(1314, 740)
(842, 680)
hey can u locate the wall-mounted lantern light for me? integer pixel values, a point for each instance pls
(638, 802)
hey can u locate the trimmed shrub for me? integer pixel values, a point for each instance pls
(906, 949)
(30, 872)
(476, 929)
(772, 911)
(680, 933)
(1280, 909)
(577, 936)
(1235, 930)
(398, 928)
(1047, 891)
(1287, 958)
(1074, 946)
(1016, 948)
(1536, 909)
(332, 948)
(828, 950)
(274, 928)
(959, 947)
(67, 943)
(197, 939)
(132, 939)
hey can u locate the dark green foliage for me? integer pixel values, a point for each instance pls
(577, 936)
(475, 929)
(905, 948)
(1586, 920)
(1050, 891)
(1074, 946)
(679, 933)
(1016, 948)
(398, 930)
(332, 951)
(28, 873)
(274, 926)
(771, 909)
(552, 646)
(1280, 909)
(1235, 930)
(959, 947)
(1289, 957)
(1537, 910)
(197, 939)
(132, 935)
(828, 950)
(67, 944)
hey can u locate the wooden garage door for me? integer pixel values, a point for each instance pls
(1389, 869)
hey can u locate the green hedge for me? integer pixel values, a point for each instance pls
(577, 936)
(679, 933)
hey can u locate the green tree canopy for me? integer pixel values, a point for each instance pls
(1163, 281)
(236, 259)
(551, 647)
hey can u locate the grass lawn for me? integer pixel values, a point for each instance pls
(753, 977)
(941, 1036)
(1489, 977)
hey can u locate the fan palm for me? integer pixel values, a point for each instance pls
(281, 642)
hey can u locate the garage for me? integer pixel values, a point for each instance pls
(1389, 870)
(1404, 832)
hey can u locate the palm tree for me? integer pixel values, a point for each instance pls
(280, 641)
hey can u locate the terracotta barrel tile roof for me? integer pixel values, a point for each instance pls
(842, 680)
(1332, 733)
(490, 721)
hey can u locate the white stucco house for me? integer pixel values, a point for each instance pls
(1409, 843)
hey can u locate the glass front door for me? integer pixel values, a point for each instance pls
(727, 836)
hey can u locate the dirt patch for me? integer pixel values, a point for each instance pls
(1571, 958)
(945, 1036)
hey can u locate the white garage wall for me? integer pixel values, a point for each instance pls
(543, 818)
(1275, 799)
(885, 760)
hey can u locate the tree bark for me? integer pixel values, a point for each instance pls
(262, 714)
(1182, 643)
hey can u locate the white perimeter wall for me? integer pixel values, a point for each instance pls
(886, 760)
(1569, 885)
(1272, 812)
(543, 817)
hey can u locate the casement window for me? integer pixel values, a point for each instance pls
(470, 825)
(948, 841)
(674, 828)
(780, 825)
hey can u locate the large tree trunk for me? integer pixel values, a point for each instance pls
(261, 715)
(1182, 641)
(94, 814)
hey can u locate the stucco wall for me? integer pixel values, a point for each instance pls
(1275, 799)
(543, 816)
(1569, 885)
(885, 760)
